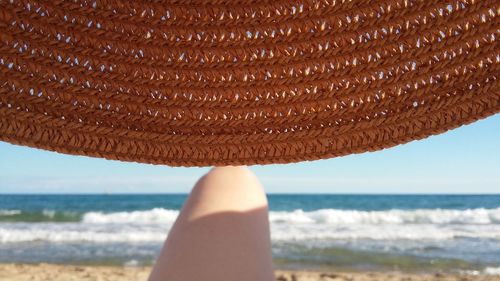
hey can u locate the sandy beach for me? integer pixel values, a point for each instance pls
(53, 272)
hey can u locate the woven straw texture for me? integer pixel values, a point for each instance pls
(216, 82)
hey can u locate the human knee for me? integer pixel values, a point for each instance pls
(234, 177)
(232, 173)
(231, 185)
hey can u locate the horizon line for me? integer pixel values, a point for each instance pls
(268, 193)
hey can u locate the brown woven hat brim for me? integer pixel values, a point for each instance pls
(196, 83)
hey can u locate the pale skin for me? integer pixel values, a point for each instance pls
(222, 232)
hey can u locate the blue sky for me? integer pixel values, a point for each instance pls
(465, 160)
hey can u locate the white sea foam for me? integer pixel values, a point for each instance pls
(49, 213)
(77, 232)
(9, 212)
(131, 263)
(295, 226)
(324, 216)
(423, 216)
(156, 215)
(486, 271)
(492, 271)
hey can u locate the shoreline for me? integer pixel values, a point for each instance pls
(60, 272)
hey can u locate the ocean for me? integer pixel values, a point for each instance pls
(414, 233)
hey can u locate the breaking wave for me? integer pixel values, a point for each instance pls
(319, 225)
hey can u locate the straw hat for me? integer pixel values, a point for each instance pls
(215, 82)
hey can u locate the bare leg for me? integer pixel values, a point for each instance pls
(222, 232)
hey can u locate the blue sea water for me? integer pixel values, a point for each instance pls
(355, 232)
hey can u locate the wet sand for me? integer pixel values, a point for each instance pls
(52, 272)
